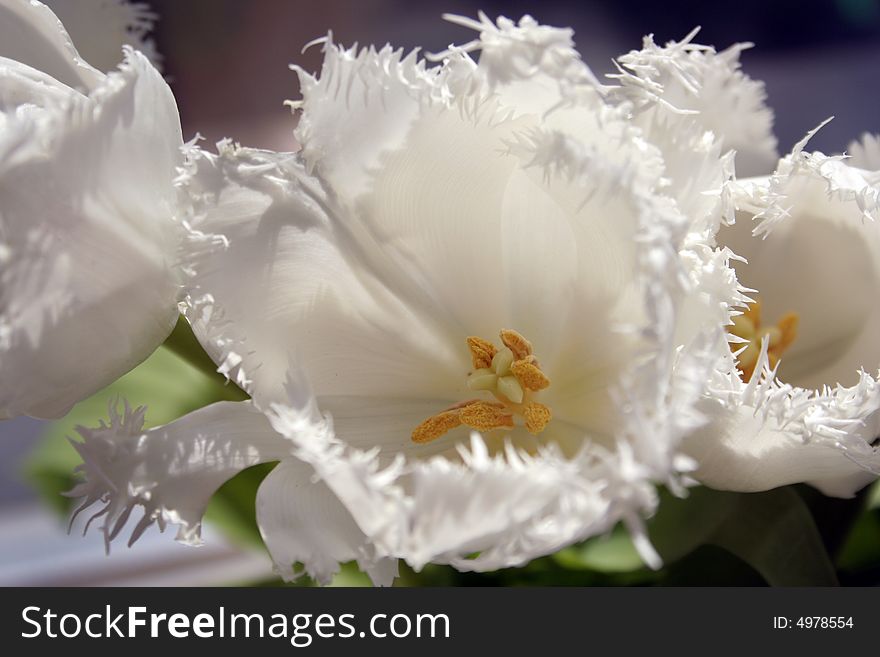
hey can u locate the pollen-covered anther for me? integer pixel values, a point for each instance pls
(516, 343)
(482, 352)
(486, 416)
(537, 416)
(511, 374)
(748, 327)
(436, 425)
(529, 374)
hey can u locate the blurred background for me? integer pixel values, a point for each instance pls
(227, 62)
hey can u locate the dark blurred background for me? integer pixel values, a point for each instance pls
(227, 59)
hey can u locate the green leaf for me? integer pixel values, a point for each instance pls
(681, 525)
(774, 533)
(874, 496)
(614, 553)
(861, 551)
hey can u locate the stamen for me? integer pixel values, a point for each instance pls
(537, 416)
(748, 327)
(436, 425)
(511, 374)
(516, 343)
(529, 374)
(481, 352)
(485, 416)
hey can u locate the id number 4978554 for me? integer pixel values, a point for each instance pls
(813, 622)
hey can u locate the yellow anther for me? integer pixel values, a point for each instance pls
(529, 374)
(516, 343)
(482, 352)
(511, 374)
(436, 425)
(536, 416)
(485, 416)
(788, 325)
(748, 327)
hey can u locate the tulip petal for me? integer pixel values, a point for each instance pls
(764, 434)
(509, 507)
(89, 283)
(171, 471)
(865, 153)
(31, 34)
(103, 27)
(272, 283)
(303, 521)
(682, 82)
(531, 68)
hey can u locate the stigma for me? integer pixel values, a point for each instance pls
(748, 327)
(512, 375)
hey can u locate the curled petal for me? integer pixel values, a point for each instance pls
(302, 521)
(88, 235)
(31, 34)
(764, 434)
(170, 471)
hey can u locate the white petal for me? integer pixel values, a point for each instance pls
(30, 33)
(532, 68)
(767, 434)
(101, 27)
(171, 471)
(89, 284)
(303, 521)
(683, 82)
(510, 507)
(362, 103)
(865, 153)
(286, 287)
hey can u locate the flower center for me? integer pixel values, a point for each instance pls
(748, 327)
(511, 374)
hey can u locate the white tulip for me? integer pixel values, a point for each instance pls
(454, 311)
(801, 401)
(88, 237)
